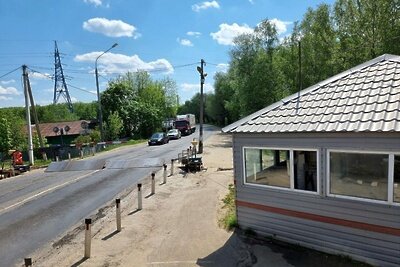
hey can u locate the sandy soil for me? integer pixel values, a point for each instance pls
(178, 225)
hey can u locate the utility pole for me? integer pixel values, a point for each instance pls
(35, 117)
(202, 79)
(98, 92)
(28, 115)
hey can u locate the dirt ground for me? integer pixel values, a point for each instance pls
(178, 226)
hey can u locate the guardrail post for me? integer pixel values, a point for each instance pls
(153, 183)
(118, 213)
(28, 262)
(165, 173)
(172, 167)
(88, 237)
(139, 186)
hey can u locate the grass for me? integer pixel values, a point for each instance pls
(229, 220)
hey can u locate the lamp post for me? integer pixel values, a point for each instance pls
(202, 79)
(98, 92)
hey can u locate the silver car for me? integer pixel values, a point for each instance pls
(174, 134)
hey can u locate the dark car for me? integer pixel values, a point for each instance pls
(174, 134)
(158, 139)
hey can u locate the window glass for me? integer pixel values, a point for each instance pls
(305, 170)
(396, 185)
(359, 175)
(267, 167)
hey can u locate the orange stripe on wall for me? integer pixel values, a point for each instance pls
(324, 219)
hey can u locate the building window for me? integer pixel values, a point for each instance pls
(396, 178)
(267, 167)
(305, 170)
(275, 167)
(359, 175)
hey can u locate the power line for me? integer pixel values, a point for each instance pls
(75, 87)
(4, 75)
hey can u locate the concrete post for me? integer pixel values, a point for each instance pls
(118, 213)
(165, 173)
(81, 154)
(153, 183)
(69, 156)
(57, 159)
(28, 262)
(139, 186)
(172, 167)
(88, 237)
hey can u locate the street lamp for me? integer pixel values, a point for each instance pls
(98, 93)
(202, 79)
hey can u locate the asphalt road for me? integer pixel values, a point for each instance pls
(38, 207)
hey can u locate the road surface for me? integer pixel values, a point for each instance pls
(38, 207)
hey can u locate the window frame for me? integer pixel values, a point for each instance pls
(390, 178)
(291, 166)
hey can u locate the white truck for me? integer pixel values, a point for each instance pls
(186, 123)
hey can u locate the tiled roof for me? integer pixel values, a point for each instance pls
(363, 99)
(46, 129)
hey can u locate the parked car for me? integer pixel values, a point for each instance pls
(158, 139)
(174, 134)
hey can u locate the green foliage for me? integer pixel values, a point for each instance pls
(95, 136)
(333, 39)
(229, 220)
(55, 113)
(141, 103)
(113, 126)
(5, 135)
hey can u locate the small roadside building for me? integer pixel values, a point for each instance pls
(321, 168)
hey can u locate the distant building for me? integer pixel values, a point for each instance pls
(59, 133)
(321, 168)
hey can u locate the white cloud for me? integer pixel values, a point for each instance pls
(195, 34)
(227, 33)
(5, 98)
(96, 3)
(281, 26)
(251, 2)
(195, 87)
(39, 76)
(119, 63)
(111, 28)
(205, 5)
(184, 42)
(222, 67)
(7, 82)
(9, 91)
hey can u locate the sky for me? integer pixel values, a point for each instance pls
(167, 38)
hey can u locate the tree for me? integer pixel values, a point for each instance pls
(5, 136)
(114, 126)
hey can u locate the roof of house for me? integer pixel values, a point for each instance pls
(46, 129)
(365, 98)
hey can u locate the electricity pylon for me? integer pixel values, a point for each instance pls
(60, 86)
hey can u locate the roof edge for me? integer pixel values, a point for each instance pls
(388, 57)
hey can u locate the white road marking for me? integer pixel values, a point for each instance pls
(47, 190)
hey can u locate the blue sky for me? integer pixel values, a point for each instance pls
(168, 38)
